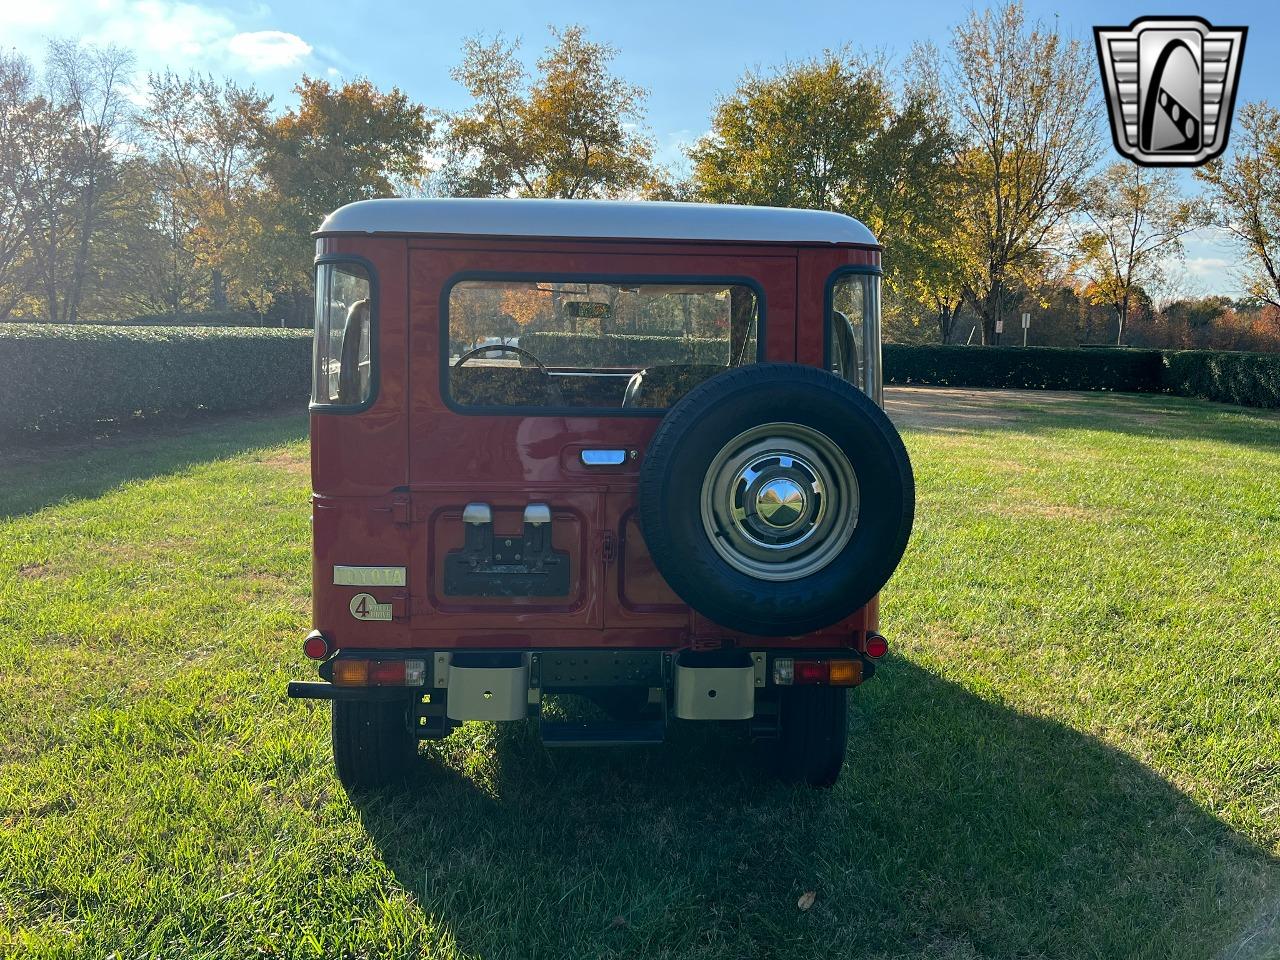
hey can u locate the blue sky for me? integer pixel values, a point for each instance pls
(685, 53)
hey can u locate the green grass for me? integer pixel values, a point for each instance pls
(1073, 752)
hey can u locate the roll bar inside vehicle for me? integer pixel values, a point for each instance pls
(631, 452)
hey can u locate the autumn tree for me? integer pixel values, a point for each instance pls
(16, 267)
(1135, 221)
(48, 179)
(88, 82)
(833, 133)
(1244, 190)
(1022, 96)
(339, 145)
(202, 135)
(568, 132)
(141, 266)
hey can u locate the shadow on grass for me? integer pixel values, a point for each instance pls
(960, 829)
(35, 476)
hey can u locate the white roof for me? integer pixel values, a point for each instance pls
(614, 219)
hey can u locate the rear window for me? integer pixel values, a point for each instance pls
(343, 371)
(552, 344)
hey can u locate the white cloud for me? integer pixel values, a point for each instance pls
(1211, 267)
(269, 49)
(177, 34)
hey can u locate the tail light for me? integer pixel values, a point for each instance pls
(811, 671)
(835, 673)
(876, 646)
(316, 647)
(379, 673)
(351, 673)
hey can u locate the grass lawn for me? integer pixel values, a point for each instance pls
(1073, 752)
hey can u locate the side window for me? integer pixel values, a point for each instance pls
(594, 344)
(343, 372)
(845, 340)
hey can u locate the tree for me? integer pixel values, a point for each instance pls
(16, 268)
(1136, 220)
(571, 132)
(203, 137)
(1022, 96)
(141, 263)
(49, 179)
(1244, 190)
(88, 81)
(803, 136)
(831, 134)
(339, 145)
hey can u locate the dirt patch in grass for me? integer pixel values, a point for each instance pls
(288, 461)
(941, 409)
(945, 408)
(1031, 507)
(34, 571)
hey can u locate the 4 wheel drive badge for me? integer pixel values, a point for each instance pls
(364, 607)
(1171, 87)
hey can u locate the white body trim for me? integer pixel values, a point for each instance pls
(603, 219)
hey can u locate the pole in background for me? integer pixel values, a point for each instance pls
(999, 330)
(1026, 324)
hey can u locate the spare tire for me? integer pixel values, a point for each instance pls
(776, 499)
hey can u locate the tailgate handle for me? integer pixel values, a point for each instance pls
(603, 458)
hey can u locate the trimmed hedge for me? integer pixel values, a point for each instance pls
(1039, 368)
(1249, 379)
(56, 377)
(207, 318)
(621, 349)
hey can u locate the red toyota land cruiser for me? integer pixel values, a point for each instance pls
(632, 452)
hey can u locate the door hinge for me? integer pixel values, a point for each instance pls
(608, 547)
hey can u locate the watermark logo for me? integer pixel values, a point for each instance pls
(1170, 84)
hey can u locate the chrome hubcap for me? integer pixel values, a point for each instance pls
(780, 501)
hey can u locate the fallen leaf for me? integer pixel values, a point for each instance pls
(806, 899)
(617, 923)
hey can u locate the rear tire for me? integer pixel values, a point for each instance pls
(374, 743)
(813, 733)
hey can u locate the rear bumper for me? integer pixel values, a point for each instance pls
(323, 690)
(452, 687)
(497, 684)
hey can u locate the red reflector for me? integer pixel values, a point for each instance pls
(386, 672)
(316, 646)
(877, 646)
(811, 671)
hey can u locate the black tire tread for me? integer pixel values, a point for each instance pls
(373, 744)
(814, 735)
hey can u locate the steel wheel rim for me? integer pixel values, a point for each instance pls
(780, 501)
